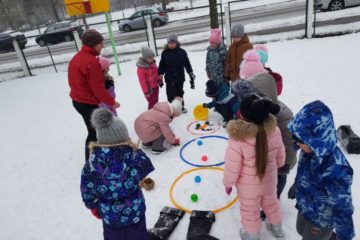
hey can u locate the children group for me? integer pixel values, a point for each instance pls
(264, 138)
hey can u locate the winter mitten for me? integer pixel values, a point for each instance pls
(192, 80)
(291, 192)
(200, 225)
(165, 225)
(228, 190)
(177, 142)
(161, 83)
(95, 213)
(204, 105)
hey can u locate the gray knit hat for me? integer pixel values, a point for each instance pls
(109, 129)
(172, 37)
(237, 30)
(147, 52)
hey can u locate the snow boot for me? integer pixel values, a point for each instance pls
(200, 225)
(165, 225)
(349, 139)
(276, 230)
(247, 236)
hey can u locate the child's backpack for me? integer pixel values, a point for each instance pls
(278, 80)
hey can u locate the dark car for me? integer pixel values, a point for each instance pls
(58, 32)
(6, 44)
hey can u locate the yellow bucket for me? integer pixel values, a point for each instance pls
(200, 113)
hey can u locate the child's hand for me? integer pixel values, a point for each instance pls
(204, 105)
(176, 142)
(116, 105)
(192, 80)
(95, 213)
(147, 95)
(161, 83)
(228, 190)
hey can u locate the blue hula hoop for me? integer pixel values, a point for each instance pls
(199, 138)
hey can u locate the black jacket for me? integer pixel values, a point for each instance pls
(172, 64)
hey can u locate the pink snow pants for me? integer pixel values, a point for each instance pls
(154, 98)
(250, 211)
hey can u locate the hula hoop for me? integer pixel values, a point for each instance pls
(201, 134)
(193, 170)
(198, 165)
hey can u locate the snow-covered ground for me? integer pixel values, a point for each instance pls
(42, 140)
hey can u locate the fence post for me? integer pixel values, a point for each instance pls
(21, 58)
(227, 26)
(78, 42)
(309, 18)
(150, 33)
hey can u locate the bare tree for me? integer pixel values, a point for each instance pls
(214, 22)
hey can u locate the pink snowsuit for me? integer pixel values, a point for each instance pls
(153, 123)
(240, 170)
(149, 81)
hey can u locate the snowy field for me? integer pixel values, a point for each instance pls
(42, 143)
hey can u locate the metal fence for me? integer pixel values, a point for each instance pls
(271, 22)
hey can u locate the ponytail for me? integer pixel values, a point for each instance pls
(261, 152)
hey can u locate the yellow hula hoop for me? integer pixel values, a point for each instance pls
(193, 170)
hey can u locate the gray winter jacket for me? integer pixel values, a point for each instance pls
(265, 83)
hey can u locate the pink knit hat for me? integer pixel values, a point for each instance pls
(251, 65)
(215, 35)
(104, 62)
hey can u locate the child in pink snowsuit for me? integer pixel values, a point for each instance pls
(109, 82)
(147, 72)
(255, 151)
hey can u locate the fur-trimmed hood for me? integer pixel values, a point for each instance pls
(240, 130)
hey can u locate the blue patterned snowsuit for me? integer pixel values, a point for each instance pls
(324, 177)
(110, 183)
(215, 63)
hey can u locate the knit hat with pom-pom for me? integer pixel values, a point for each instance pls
(109, 129)
(251, 65)
(215, 36)
(262, 51)
(256, 108)
(104, 62)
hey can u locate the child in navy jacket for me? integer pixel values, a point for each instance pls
(172, 63)
(110, 179)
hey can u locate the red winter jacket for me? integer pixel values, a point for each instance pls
(86, 80)
(148, 75)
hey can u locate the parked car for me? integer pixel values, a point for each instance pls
(139, 18)
(334, 5)
(58, 32)
(6, 37)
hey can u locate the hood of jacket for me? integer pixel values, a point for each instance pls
(265, 83)
(314, 125)
(163, 107)
(240, 130)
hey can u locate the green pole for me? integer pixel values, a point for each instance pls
(107, 16)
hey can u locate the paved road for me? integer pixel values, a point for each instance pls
(260, 14)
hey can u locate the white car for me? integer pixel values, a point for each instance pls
(334, 5)
(138, 19)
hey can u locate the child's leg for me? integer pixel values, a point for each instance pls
(271, 206)
(158, 143)
(310, 232)
(154, 98)
(170, 91)
(249, 210)
(282, 176)
(225, 111)
(131, 232)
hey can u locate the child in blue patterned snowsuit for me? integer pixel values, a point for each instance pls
(324, 176)
(110, 179)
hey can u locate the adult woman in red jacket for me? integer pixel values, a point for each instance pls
(86, 81)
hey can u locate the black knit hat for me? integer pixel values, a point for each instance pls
(91, 38)
(255, 108)
(211, 89)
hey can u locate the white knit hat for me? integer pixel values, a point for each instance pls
(176, 105)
